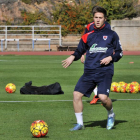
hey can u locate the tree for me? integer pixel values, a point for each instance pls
(117, 9)
(75, 14)
(72, 16)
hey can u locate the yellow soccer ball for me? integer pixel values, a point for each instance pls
(119, 86)
(134, 89)
(128, 88)
(123, 87)
(39, 128)
(121, 82)
(135, 83)
(118, 89)
(10, 88)
(114, 86)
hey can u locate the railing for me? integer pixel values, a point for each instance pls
(34, 33)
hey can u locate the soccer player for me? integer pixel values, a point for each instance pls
(89, 28)
(99, 46)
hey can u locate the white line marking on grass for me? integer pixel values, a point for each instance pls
(36, 101)
(63, 101)
(126, 99)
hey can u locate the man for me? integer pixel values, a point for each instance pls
(99, 46)
(89, 28)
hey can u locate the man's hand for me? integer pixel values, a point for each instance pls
(83, 59)
(67, 62)
(106, 60)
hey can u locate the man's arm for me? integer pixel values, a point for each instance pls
(67, 62)
(81, 49)
(118, 52)
(76, 55)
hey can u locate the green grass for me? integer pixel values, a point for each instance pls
(16, 117)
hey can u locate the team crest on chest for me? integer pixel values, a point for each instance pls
(105, 37)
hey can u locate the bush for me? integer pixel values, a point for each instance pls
(73, 17)
(119, 9)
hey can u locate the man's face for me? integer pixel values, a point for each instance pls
(99, 19)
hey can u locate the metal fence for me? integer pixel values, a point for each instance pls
(35, 33)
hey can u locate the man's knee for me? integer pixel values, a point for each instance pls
(103, 98)
(77, 95)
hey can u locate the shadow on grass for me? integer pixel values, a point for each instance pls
(99, 102)
(102, 123)
(41, 137)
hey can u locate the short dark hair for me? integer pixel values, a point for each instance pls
(96, 9)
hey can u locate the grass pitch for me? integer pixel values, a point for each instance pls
(17, 111)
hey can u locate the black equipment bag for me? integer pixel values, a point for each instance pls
(52, 89)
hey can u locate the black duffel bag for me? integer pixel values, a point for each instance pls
(52, 89)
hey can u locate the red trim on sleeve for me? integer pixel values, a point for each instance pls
(88, 26)
(85, 36)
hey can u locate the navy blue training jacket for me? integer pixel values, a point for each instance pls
(98, 44)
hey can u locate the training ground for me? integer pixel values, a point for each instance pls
(57, 53)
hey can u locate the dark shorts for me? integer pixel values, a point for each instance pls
(88, 82)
